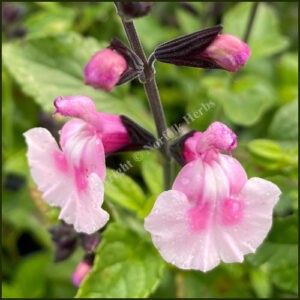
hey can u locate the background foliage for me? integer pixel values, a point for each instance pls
(44, 52)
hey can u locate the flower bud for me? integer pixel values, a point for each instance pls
(81, 271)
(135, 9)
(104, 69)
(227, 51)
(65, 241)
(205, 49)
(89, 242)
(112, 66)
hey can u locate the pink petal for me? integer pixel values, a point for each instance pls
(47, 166)
(189, 149)
(114, 134)
(104, 69)
(217, 136)
(81, 271)
(235, 173)
(83, 210)
(228, 52)
(171, 233)
(201, 181)
(190, 180)
(81, 107)
(259, 197)
(83, 148)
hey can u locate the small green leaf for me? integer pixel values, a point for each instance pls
(284, 125)
(247, 100)
(267, 149)
(260, 280)
(124, 191)
(273, 155)
(125, 266)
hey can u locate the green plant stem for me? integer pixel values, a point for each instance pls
(179, 283)
(150, 86)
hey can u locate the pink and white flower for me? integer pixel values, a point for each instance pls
(71, 176)
(213, 213)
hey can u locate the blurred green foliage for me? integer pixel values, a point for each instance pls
(260, 103)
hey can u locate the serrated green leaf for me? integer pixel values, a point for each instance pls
(284, 125)
(124, 191)
(53, 66)
(125, 267)
(265, 38)
(49, 22)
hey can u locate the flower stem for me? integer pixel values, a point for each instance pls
(250, 22)
(150, 86)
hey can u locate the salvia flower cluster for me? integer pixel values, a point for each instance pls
(212, 213)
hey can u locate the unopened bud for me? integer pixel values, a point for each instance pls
(135, 9)
(89, 242)
(112, 66)
(81, 271)
(205, 49)
(227, 51)
(65, 241)
(104, 69)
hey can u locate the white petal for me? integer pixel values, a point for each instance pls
(235, 241)
(54, 183)
(83, 209)
(172, 235)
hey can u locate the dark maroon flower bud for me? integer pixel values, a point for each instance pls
(19, 32)
(11, 13)
(65, 240)
(135, 9)
(89, 242)
(205, 49)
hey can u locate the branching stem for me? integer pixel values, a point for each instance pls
(150, 86)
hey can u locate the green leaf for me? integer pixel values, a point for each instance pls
(284, 125)
(274, 155)
(247, 100)
(287, 67)
(30, 277)
(125, 267)
(265, 37)
(49, 22)
(279, 254)
(260, 280)
(53, 66)
(152, 173)
(124, 191)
